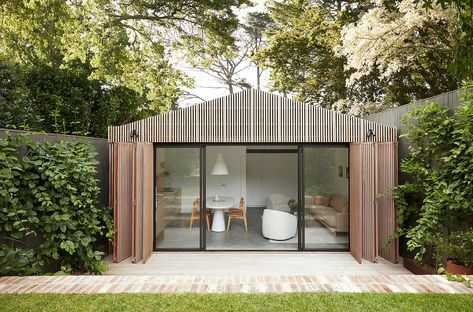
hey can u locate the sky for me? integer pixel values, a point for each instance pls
(207, 87)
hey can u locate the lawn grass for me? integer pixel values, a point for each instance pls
(237, 302)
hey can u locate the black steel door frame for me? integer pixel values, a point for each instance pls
(202, 193)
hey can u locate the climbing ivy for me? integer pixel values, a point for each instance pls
(439, 194)
(49, 214)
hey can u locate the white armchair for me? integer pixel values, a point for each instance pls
(279, 225)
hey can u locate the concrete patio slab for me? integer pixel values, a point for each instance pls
(254, 263)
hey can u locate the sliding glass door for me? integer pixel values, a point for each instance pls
(178, 191)
(301, 190)
(325, 191)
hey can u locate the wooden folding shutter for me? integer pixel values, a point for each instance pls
(363, 220)
(148, 195)
(356, 201)
(137, 215)
(387, 176)
(122, 176)
(370, 219)
(142, 246)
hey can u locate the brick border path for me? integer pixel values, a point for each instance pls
(232, 284)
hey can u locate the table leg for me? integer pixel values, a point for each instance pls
(218, 221)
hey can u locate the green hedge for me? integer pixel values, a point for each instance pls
(49, 215)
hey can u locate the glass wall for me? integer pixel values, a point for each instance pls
(177, 224)
(326, 214)
(260, 183)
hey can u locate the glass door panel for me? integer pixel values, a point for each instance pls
(326, 211)
(177, 220)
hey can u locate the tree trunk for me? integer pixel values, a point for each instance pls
(257, 78)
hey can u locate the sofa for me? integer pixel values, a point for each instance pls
(333, 215)
(278, 202)
(277, 222)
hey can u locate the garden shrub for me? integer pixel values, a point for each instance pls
(439, 195)
(49, 214)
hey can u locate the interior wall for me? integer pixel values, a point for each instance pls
(233, 184)
(268, 173)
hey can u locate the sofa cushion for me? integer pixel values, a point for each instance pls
(329, 219)
(338, 202)
(316, 210)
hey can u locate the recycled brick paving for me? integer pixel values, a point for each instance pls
(232, 284)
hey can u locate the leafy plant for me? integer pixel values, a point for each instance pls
(439, 194)
(455, 277)
(49, 219)
(293, 205)
(459, 247)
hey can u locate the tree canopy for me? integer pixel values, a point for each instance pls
(360, 57)
(117, 44)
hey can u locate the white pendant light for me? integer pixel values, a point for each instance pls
(220, 168)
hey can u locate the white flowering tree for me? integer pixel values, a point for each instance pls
(359, 108)
(402, 41)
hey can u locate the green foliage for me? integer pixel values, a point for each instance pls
(305, 59)
(439, 195)
(293, 205)
(124, 44)
(459, 246)
(64, 100)
(455, 277)
(300, 53)
(49, 217)
(463, 52)
(15, 107)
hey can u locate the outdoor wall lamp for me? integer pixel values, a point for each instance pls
(370, 133)
(133, 134)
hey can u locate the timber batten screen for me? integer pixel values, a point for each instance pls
(252, 116)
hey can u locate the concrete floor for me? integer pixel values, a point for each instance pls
(179, 236)
(239, 239)
(240, 263)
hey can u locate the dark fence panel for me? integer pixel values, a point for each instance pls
(100, 145)
(393, 117)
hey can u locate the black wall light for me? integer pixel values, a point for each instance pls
(370, 133)
(133, 134)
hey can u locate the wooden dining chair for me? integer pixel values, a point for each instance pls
(196, 214)
(237, 213)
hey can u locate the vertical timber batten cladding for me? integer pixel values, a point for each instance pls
(131, 175)
(252, 116)
(387, 155)
(356, 202)
(373, 171)
(122, 156)
(255, 117)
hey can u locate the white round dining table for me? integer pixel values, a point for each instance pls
(219, 207)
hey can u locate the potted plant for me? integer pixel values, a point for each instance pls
(459, 247)
(293, 205)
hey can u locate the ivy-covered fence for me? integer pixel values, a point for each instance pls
(50, 219)
(100, 145)
(435, 206)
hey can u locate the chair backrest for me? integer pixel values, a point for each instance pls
(242, 205)
(196, 205)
